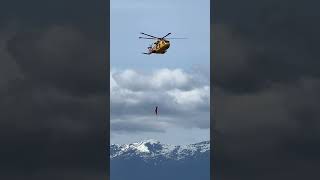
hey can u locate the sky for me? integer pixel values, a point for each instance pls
(177, 82)
(53, 88)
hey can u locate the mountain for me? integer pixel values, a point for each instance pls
(152, 160)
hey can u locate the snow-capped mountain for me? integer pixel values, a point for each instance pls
(153, 149)
(151, 159)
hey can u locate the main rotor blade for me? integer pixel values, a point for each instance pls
(176, 38)
(149, 35)
(166, 35)
(146, 38)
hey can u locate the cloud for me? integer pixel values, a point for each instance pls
(134, 96)
(162, 79)
(53, 101)
(265, 81)
(53, 89)
(138, 124)
(278, 124)
(59, 53)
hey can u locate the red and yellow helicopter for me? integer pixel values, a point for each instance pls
(160, 46)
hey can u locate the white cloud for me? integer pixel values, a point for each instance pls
(192, 97)
(168, 79)
(182, 101)
(163, 79)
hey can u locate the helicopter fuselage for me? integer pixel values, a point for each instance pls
(160, 47)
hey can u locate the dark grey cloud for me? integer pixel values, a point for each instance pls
(266, 79)
(272, 47)
(53, 88)
(64, 57)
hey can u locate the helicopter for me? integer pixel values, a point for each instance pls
(160, 46)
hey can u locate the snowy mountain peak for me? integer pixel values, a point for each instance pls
(153, 149)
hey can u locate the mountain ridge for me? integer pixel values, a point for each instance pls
(151, 159)
(151, 149)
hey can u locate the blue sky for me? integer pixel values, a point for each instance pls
(183, 18)
(186, 61)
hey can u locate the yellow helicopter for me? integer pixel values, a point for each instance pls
(160, 46)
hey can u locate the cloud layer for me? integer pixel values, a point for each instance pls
(52, 91)
(266, 78)
(183, 100)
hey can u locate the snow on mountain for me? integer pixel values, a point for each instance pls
(152, 149)
(151, 159)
